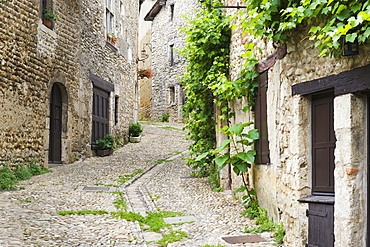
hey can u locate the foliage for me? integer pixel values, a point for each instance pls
(263, 223)
(135, 129)
(173, 236)
(8, 178)
(239, 157)
(165, 117)
(106, 143)
(111, 37)
(82, 212)
(153, 221)
(207, 51)
(49, 15)
(144, 73)
(328, 21)
(123, 179)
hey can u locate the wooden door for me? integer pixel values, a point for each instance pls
(100, 113)
(55, 135)
(321, 207)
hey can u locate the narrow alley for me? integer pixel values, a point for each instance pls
(157, 179)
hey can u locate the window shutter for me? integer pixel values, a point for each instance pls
(262, 145)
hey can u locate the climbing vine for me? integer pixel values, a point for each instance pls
(327, 20)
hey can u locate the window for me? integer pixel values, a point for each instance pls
(116, 110)
(323, 144)
(171, 56)
(172, 95)
(172, 9)
(109, 16)
(47, 14)
(262, 145)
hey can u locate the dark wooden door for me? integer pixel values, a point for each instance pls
(100, 113)
(321, 215)
(320, 225)
(55, 136)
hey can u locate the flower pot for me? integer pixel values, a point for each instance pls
(47, 22)
(135, 139)
(104, 152)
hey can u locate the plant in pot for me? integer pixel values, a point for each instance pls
(135, 130)
(48, 17)
(105, 145)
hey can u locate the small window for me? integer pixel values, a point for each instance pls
(116, 110)
(171, 56)
(172, 9)
(172, 95)
(262, 145)
(47, 15)
(109, 17)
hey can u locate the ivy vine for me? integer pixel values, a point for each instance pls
(327, 20)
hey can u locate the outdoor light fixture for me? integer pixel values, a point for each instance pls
(225, 7)
(350, 48)
(144, 54)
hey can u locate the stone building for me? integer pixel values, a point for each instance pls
(168, 95)
(63, 84)
(313, 117)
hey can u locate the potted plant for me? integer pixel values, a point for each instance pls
(144, 73)
(135, 130)
(48, 17)
(105, 145)
(111, 38)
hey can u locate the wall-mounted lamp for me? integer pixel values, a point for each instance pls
(350, 48)
(225, 7)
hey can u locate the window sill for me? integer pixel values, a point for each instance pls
(318, 199)
(110, 46)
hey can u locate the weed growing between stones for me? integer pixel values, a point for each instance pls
(123, 179)
(83, 212)
(173, 236)
(263, 223)
(9, 178)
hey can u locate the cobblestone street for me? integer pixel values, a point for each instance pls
(29, 217)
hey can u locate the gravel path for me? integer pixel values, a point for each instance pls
(29, 217)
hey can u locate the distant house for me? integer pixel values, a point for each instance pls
(67, 77)
(312, 168)
(167, 93)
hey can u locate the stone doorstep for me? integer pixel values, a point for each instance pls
(255, 238)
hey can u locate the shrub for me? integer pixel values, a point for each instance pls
(135, 129)
(165, 117)
(22, 173)
(106, 143)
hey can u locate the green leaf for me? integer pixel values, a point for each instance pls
(248, 157)
(220, 160)
(223, 145)
(202, 156)
(236, 129)
(241, 189)
(243, 167)
(253, 134)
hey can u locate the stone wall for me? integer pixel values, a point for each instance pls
(280, 184)
(34, 57)
(165, 83)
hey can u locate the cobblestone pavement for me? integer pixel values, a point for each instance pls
(29, 217)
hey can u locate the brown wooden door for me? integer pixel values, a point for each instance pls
(100, 113)
(55, 136)
(321, 209)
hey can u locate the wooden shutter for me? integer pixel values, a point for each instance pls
(323, 143)
(262, 145)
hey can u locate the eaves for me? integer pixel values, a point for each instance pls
(155, 10)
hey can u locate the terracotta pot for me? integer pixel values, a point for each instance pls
(47, 22)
